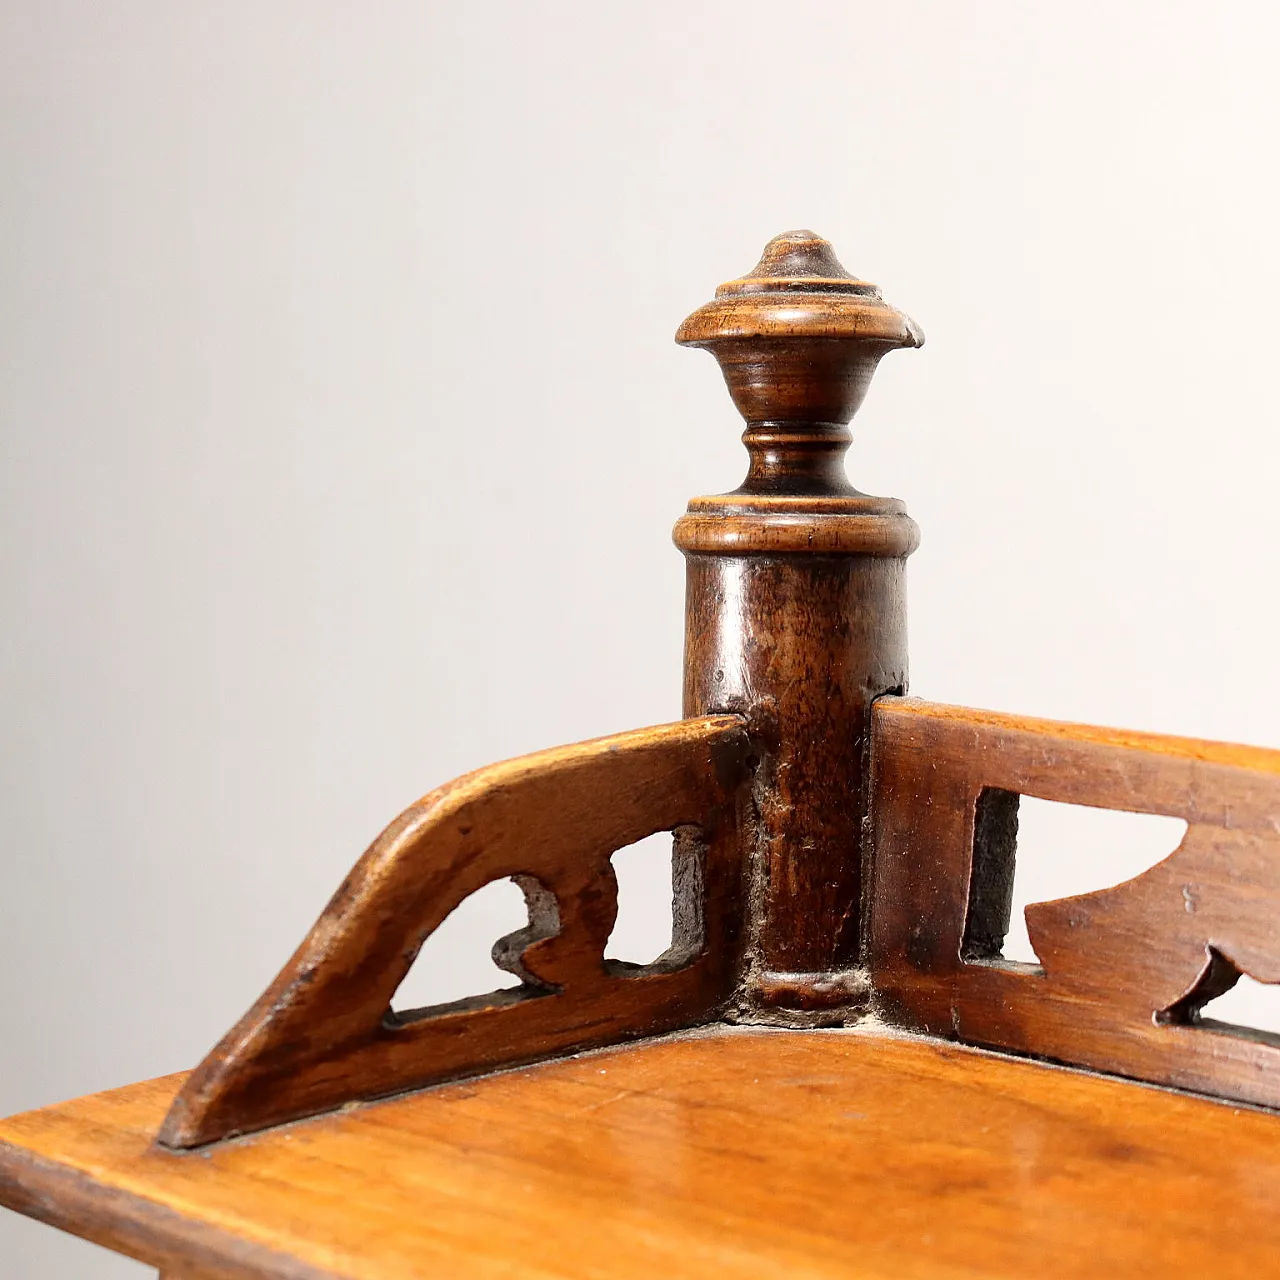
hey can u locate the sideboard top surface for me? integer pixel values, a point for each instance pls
(728, 1152)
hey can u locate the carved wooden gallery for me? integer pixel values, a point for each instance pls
(834, 1070)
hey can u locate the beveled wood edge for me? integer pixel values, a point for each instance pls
(800, 314)
(1209, 750)
(129, 1223)
(892, 535)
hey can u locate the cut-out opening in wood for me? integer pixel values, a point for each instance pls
(659, 902)
(1248, 1008)
(1027, 850)
(642, 932)
(456, 964)
(1229, 1002)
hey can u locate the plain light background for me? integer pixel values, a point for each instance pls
(342, 429)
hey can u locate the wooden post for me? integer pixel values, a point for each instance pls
(795, 609)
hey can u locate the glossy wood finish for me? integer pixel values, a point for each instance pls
(725, 1151)
(734, 1153)
(1126, 970)
(323, 1035)
(795, 608)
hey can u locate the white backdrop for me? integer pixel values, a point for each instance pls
(342, 429)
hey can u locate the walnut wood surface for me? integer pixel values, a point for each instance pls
(734, 1153)
(795, 608)
(323, 1035)
(1124, 971)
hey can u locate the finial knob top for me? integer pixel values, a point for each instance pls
(799, 289)
(797, 262)
(798, 340)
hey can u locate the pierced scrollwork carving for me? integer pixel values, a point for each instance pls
(322, 1035)
(1124, 971)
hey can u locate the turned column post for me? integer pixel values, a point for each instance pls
(796, 609)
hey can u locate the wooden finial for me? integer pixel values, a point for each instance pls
(796, 610)
(798, 340)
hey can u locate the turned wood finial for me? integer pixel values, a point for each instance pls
(795, 610)
(798, 340)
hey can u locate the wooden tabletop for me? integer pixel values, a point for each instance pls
(725, 1153)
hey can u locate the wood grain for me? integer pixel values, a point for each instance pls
(734, 1153)
(795, 609)
(322, 1034)
(1124, 971)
